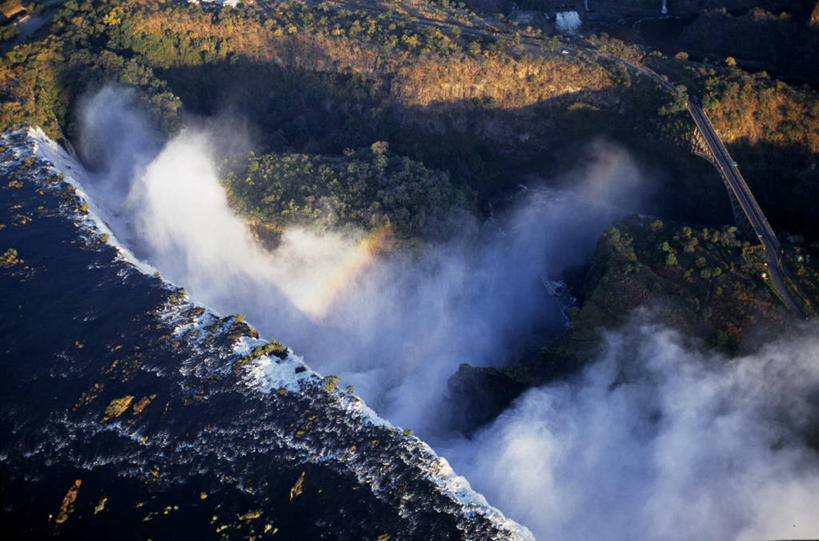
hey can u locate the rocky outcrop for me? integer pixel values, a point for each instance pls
(710, 284)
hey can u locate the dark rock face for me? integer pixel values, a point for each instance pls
(486, 393)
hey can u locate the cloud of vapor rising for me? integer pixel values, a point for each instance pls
(166, 203)
(401, 328)
(655, 441)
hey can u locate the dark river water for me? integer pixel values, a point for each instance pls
(123, 415)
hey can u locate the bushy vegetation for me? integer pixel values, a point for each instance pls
(707, 282)
(8, 32)
(330, 383)
(41, 81)
(273, 348)
(710, 284)
(756, 108)
(212, 35)
(368, 188)
(802, 266)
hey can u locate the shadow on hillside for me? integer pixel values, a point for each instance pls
(785, 181)
(785, 46)
(480, 144)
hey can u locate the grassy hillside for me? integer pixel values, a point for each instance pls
(318, 80)
(370, 188)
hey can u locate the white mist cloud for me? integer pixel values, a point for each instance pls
(611, 178)
(166, 203)
(567, 22)
(116, 141)
(400, 329)
(655, 441)
(409, 323)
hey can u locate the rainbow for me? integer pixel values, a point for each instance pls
(335, 284)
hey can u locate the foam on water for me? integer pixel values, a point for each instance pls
(265, 374)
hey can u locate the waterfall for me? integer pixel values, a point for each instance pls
(664, 9)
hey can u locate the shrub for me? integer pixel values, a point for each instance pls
(9, 32)
(330, 383)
